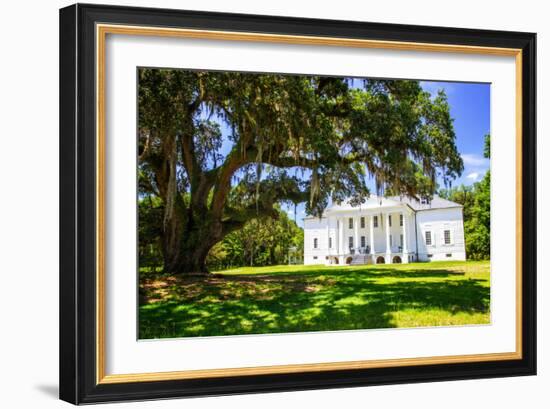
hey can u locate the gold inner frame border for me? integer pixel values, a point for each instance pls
(102, 30)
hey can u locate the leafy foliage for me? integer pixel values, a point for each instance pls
(150, 211)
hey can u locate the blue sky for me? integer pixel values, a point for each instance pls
(470, 108)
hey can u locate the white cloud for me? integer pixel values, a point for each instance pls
(472, 159)
(474, 176)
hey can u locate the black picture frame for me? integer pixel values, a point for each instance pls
(78, 308)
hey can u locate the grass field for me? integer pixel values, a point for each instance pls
(255, 300)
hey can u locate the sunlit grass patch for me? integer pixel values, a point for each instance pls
(279, 299)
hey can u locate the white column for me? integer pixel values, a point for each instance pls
(371, 235)
(405, 249)
(388, 246)
(328, 236)
(337, 236)
(338, 225)
(405, 238)
(342, 240)
(356, 231)
(345, 241)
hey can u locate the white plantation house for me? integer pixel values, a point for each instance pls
(385, 230)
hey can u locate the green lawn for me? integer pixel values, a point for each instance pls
(254, 300)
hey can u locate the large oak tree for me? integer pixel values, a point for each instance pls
(221, 148)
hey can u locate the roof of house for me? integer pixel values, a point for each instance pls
(436, 203)
(379, 201)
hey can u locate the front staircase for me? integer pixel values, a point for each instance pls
(360, 259)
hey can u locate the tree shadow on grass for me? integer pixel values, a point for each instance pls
(309, 301)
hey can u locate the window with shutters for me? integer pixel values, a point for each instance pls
(363, 241)
(362, 222)
(447, 236)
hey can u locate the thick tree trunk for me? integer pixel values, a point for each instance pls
(188, 258)
(172, 241)
(187, 253)
(192, 262)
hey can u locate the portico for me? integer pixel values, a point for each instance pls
(357, 236)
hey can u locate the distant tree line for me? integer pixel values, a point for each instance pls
(476, 202)
(261, 242)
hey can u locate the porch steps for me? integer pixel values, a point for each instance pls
(359, 259)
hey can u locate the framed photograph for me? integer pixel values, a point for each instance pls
(257, 203)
